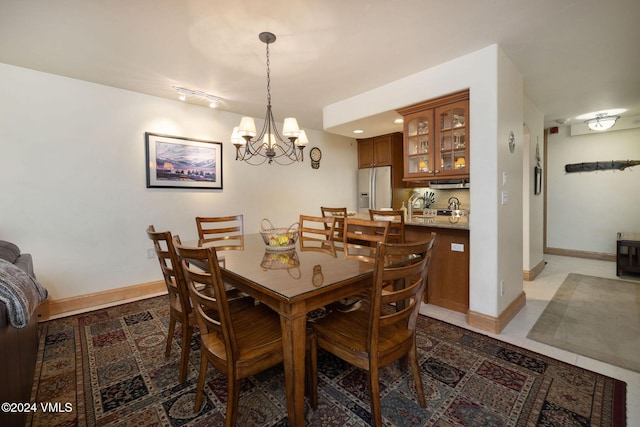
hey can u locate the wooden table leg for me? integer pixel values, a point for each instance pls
(294, 340)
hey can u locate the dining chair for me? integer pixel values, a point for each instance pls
(359, 239)
(396, 226)
(365, 231)
(383, 330)
(339, 214)
(226, 231)
(180, 306)
(316, 233)
(238, 344)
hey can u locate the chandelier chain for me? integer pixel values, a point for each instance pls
(268, 77)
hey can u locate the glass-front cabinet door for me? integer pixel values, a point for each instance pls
(436, 139)
(419, 142)
(452, 147)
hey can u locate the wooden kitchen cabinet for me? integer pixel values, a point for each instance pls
(379, 150)
(448, 284)
(385, 150)
(436, 139)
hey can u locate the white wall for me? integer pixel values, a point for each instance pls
(494, 107)
(533, 205)
(509, 179)
(585, 210)
(74, 188)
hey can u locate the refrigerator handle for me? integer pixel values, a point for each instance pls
(372, 188)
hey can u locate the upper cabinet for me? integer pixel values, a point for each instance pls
(379, 150)
(436, 138)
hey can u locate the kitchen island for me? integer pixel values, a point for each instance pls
(448, 284)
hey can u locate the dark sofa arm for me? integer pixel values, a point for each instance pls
(18, 348)
(4, 321)
(25, 263)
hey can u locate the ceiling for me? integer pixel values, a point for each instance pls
(576, 56)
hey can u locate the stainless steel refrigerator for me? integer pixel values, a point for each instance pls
(374, 188)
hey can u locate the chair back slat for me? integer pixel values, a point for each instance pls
(228, 231)
(316, 234)
(170, 266)
(340, 214)
(396, 228)
(208, 295)
(358, 230)
(398, 288)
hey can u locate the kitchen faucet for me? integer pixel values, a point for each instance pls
(414, 198)
(454, 203)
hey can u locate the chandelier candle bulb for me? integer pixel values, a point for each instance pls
(302, 138)
(247, 127)
(269, 140)
(236, 139)
(290, 127)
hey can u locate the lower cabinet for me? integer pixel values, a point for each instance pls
(448, 285)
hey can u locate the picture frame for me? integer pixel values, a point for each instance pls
(179, 162)
(537, 180)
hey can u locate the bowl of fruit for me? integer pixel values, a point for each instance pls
(278, 239)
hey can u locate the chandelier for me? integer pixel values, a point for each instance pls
(602, 122)
(268, 145)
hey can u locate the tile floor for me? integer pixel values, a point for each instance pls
(539, 292)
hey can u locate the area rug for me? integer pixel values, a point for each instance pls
(108, 368)
(595, 317)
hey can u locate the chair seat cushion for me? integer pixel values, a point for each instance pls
(349, 331)
(257, 330)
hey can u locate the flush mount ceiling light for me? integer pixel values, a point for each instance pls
(602, 122)
(184, 93)
(269, 145)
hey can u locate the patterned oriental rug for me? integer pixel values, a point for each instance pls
(108, 367)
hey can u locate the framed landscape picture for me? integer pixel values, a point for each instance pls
(177, 162)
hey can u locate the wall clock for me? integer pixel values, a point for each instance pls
(315, 155)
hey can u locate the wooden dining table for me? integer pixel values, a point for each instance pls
(294, 283)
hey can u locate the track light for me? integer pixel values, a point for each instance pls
(184, 92)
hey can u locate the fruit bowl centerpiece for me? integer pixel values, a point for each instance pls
(278, 239)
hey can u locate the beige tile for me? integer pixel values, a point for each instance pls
(539, 292)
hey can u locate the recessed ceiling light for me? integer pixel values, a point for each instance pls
(398, 121)
(358, 131)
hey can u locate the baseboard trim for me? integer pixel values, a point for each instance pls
(495, 325)
(52, 308)
(600, 256)
(530, 275)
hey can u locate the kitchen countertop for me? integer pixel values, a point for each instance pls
(458, 223)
